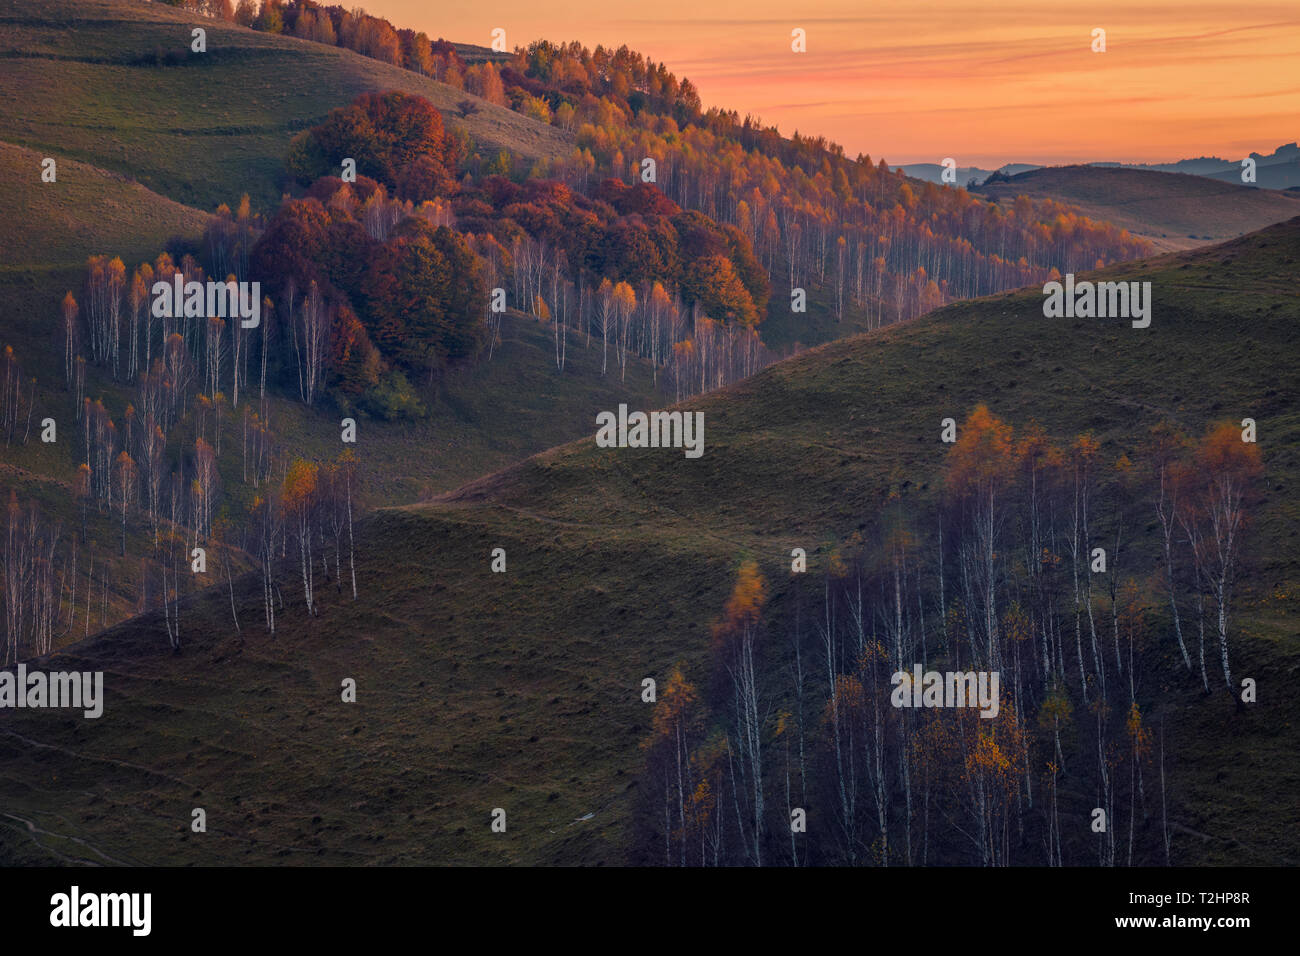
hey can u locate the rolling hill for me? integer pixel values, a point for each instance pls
(521, 690)
(1173, 211)
(82, 80)
(82, 84)
(1279, 169)
(57, 231)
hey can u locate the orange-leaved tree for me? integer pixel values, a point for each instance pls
(980, 465)
(734, 638)
(1227, 467)
(674, 729)
(299, 503)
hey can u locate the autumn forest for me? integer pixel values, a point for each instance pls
(382, 471)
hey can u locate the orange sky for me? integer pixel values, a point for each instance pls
(985, 83)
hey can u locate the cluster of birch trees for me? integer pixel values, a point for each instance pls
(308, 514)
(17, 399)
(154, 469)
(695, 353)
(32, 584)
(1033, 564)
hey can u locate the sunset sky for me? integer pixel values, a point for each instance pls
(985, 83)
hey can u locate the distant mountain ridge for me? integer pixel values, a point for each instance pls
(1170, 210)
(1279, 169)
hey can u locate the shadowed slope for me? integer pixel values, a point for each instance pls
(1173, 210)
(521, 690)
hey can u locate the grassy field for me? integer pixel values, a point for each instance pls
(79, 82)
(57, 231)
(1173, 210)
(521, 690)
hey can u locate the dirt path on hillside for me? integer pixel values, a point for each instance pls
(33, 831)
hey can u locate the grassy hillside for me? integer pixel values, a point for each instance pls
(83, 212)
(521, 690)
(479, 419)
(80, 81)
(1174, 211)
(135, 142)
